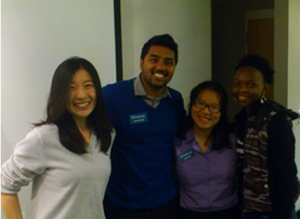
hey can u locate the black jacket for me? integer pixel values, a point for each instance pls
(283, 182)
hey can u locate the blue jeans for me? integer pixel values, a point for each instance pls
(259, 215)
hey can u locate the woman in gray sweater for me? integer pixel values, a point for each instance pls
(67, 155)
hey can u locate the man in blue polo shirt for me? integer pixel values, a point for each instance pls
(146, 115)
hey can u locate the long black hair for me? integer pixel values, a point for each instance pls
(220, 133)
(57, 113)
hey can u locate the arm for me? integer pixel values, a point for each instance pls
(282, 167)
(179, 110)
(11, 206)
(21, 168)
(182, 109)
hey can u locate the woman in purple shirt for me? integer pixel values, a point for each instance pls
(206, 157)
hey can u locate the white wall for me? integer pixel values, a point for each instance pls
(293, 71)
(36, 37)
(287, 61)
(281, 12)
(188, 22)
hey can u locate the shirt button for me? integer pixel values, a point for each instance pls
(266, 186)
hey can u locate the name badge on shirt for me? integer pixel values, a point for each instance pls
(138, 118)
(186, 155)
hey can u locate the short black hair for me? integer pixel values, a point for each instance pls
(260, 63)
(161, 40)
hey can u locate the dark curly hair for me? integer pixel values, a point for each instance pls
(260, 63)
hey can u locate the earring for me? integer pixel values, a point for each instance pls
(263, 99)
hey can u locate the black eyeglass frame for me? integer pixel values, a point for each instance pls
(204, 105)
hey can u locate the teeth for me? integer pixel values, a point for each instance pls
(202, 118)
(242, 97)
(158, 75)
(82, 104)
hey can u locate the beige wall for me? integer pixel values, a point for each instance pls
(287, 61)
(281, 12)
(293, 77)
(36, 37)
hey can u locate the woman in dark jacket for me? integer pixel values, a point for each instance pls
(266, 144)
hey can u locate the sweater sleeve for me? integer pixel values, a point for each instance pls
(282, 166)
(26, 162)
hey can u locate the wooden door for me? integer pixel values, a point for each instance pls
(260, 40)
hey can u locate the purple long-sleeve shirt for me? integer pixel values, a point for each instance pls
(207, 180)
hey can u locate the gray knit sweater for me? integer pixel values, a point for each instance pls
(65, 184)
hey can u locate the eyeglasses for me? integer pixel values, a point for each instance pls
(202, 105)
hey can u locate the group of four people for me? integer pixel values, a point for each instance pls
(125, 150)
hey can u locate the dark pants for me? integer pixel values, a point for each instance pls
(228, 213)
(260, 215)
(166, 211)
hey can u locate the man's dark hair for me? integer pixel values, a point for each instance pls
(57, 113)
(161, 40)
(260, 63)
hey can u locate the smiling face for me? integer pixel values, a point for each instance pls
(82, 96)
(203, 118)
(157, 68)
(248, 86)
